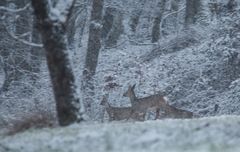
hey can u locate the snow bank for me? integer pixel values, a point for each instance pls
(206, 134)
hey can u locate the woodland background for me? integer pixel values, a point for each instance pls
(186, 49)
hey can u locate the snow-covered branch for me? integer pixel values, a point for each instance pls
(24, 34)
(166, 16)
(22, 40)
(138, 43)
(61, 11)
(14, 10)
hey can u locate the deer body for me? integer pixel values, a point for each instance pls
(121, 113)
(156, 102)
(173, 112)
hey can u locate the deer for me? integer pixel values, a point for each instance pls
(120, 113)
(156, 102)
(173, 112)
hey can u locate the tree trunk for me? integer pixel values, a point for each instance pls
(192, 10)
(175, 8)
(54, 39)
(135, 17)
(134, 20)
(93, 49)
(231, 5)
(108, 20)
(157, 21)
(112, 26)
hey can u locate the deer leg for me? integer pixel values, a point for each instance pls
(163, 114)
(111, 118)
(131, 115)
(157, 113)
(143, 116)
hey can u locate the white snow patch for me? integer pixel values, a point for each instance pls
(199, 135)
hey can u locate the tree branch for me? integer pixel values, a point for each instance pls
(14, 10)
(22, 40)
(166, 16)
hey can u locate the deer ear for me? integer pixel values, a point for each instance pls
(133, 86)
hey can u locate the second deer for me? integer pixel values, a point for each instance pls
(173, 112)
(157, 102)
(120, 113)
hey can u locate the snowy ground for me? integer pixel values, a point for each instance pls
(214, 134)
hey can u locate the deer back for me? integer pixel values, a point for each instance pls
(120, 113)
(142, 104)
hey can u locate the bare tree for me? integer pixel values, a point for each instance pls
(134, 20)
(112, 26)
(231, 5)
(136, 14)
(17, 57)
(94, 46)
(192, 10)
(157, 21)
(77, 23)
(53, 31)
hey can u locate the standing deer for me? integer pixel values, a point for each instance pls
(120, 113)
(157, 102)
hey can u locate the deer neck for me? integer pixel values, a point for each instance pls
(107, 105)
(133, 97)
(108, 108)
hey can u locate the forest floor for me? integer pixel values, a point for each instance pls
(213, 134)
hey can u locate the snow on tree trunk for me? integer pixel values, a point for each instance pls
(112, 26)
(192, 10)
(136, 14)
(157, 21)
(108, 20)
(76, 24)
(52, 27)
(93, 49)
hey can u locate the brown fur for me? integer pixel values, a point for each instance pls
(120, 113)
(157, 102)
